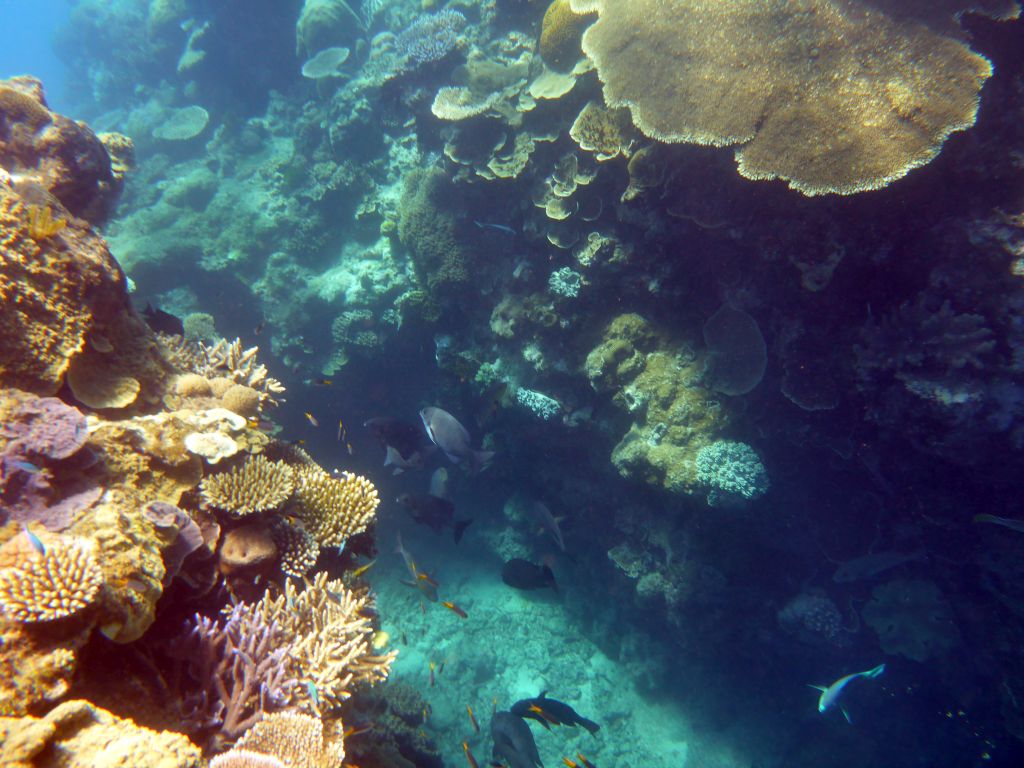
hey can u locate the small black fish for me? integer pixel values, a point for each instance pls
(550, 712)
(522, 574)
(433, 512)
(163, 322)
(406, 444)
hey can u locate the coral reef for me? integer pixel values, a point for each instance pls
(57, 583)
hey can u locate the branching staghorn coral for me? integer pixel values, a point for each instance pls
(223, 359)
(254, 486)
(332, 645)
(243, 666)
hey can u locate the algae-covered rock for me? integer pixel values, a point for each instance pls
(77, 734)
(656, 382)
(428, 228)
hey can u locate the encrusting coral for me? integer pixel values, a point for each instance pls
(766, 80)
(255, 485)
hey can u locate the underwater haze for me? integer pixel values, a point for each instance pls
(521, 383)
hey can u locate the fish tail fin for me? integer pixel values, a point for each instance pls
(590, 725)
(460, 528)
(817, 687)
(846, 715)
(875, 672)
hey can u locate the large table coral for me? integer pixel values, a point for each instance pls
(830, 95)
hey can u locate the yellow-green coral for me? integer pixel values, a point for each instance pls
(560, 35)
(833, 97)
(256, 485)
(333, 509)
(52, 585)
(333, 638)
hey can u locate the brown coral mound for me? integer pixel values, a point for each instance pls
(59, 154)
(830, 95)
(333, 509)
(54, 585)
(253, 486)
(76, 733)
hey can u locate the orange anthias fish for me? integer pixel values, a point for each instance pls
(472, 718)
(427, 578)
(570, 763)
(455, 609)
(469, 755)
(312, 419)
(433, 666)
(584, 762)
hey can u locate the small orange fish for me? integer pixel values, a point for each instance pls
(298, 443)
(583, 761)
(424, 577)
(455, 609)
(570, 763)
(472, 718)
(312, 419)
(469, 756)
(426, 713)
(341, 429)
(348, 447)
(355, 730)
(363, 569)
(494, 706)
(433, 666)
(322, 382)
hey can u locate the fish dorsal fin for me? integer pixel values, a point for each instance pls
(821, 688)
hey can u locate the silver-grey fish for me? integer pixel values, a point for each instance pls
(549, 521)
(513, 741)
(445, 431)
(869, 566)
(1007, 522)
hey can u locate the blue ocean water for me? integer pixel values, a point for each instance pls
(749, 385)
(29, 45)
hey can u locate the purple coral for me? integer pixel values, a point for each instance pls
(242, 665)
(188, 537)
(45, 427)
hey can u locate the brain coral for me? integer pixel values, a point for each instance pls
(830, 95)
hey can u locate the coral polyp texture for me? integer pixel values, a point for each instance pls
(333, 509)
(255, 485)
(830, 96)
(332, 639)
(294, 738)
(52, 585)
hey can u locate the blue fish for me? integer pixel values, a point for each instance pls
(505, 230)
(830, 696)
(24, 466)
(34, 540)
